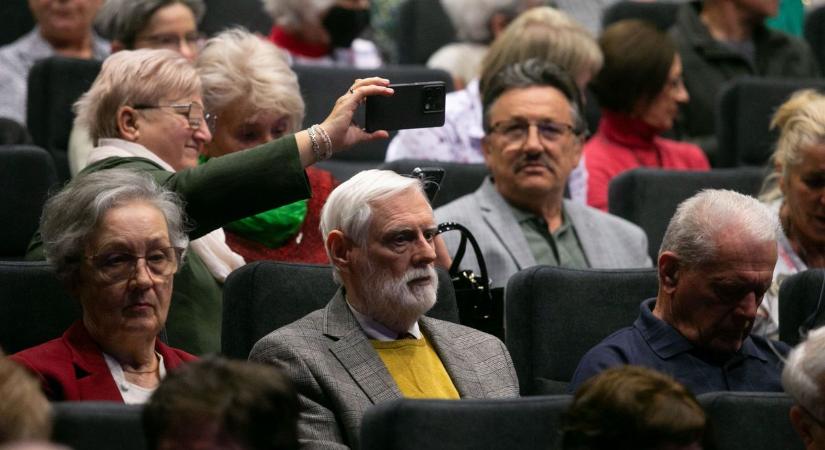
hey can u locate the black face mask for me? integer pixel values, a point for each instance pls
(344, 25)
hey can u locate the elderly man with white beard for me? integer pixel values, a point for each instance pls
(372, 342)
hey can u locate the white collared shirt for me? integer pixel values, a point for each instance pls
(377, 331)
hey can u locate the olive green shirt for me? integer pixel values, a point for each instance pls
(559, 248)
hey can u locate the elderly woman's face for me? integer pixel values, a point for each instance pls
(804, 188)
(662, 110)
(172, 27)
(166, 129)
(65, 20)
(239, 127)
(139, 303)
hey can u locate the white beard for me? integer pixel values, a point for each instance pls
(392, 302)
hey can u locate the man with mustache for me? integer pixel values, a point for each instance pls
(534, 134)
(715, 264)
(372, 343)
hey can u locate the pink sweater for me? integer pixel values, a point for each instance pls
(623, 143)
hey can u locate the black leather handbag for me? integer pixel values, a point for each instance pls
(479, 306)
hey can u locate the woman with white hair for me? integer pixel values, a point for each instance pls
(323, 32)
(796, 192)
(247, 82)
(145, 112)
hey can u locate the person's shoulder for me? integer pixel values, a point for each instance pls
(464, 206)
(614, 350)
(306, 332)
(46, 356)
(462, 337)
(686, 153)
(601, 219)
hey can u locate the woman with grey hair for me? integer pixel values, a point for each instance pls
(248, 83)
(795, 191)
(145, 112)
(323, 32)
(170, 24)
(116, 239)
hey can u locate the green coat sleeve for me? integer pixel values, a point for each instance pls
(223, 189)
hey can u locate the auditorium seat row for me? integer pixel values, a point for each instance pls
(738, 421)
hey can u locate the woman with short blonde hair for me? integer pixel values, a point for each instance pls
(249, 85)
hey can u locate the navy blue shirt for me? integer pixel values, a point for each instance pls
(653, 343)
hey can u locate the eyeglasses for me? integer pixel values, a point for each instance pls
(193, 112)
(115, 267)
(173, 41)
(515, 132)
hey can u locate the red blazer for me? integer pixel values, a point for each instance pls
(72, 367)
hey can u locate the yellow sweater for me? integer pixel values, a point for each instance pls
(416, 368)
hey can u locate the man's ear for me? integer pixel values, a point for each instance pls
(339, 248)
(127, 125)
(669, 267)
(802, 426)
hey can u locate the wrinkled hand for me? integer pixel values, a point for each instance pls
(339, 125)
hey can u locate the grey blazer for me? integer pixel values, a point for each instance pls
(608, 242)
(339, 375)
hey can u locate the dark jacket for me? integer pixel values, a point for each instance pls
(708, 64)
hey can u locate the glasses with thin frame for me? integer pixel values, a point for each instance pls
(173, 41)
(516, 131)
(114, 267)
(193, 111)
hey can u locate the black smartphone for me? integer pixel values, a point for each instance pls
(413, 105)
(431, 177)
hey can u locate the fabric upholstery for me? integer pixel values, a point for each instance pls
(750, 420)
(31, 294)
(459, 179)
(27, 173)
(321, 86)
(524, 424)
(801, 304)
(745, 107)
(55, 83)
(814, 33)
(17, 20)
(660, 14)
(221, 15)
(423, 28)
(649, 197)
(266, 295)
(553, 316)
(98, 425)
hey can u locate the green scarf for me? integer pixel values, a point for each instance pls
(271, 228)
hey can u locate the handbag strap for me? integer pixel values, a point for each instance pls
(465, 236)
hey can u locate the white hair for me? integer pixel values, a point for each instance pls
(348, 207)
(693, 230)
(291, 14)
(804, 371)
(471, 18)
(237, 65)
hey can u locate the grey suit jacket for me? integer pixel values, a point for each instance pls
(339, 375)
(608, 242)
